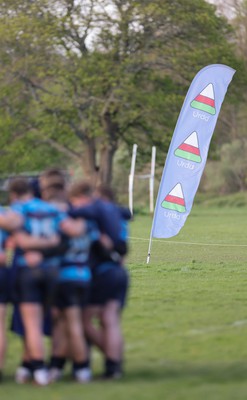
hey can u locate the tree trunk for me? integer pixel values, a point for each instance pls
(108, 147)
(89, 160)
(106, 163)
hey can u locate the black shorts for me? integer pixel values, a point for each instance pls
(71, 293)
(36, 285)
(110, 282)
(4, 285)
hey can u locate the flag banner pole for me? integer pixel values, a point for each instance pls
(151, 180)
(131, 177)
(188, 150)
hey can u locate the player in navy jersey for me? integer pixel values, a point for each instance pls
(36, 275)
(110, 278)
(109, 217)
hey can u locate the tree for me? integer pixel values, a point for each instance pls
(88, 75)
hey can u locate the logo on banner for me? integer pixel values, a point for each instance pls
(205, 100)
(174, 200)
(189, 149)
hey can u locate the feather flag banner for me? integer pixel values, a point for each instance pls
(188, 150)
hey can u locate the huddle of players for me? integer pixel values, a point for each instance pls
(66, 271)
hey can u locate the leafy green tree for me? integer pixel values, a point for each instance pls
(86, 76)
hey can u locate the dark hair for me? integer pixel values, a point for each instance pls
(19, 186)
(35, 186)
(106, 192)
(53, 178)
(53, 172)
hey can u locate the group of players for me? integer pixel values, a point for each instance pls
(62, 250)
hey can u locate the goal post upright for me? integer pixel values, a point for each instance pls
(150, 177)
(131, 177)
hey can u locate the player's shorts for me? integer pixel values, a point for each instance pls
(73, 287)
(110, 282)
(70, 294)
(36, 285)
(4, 285)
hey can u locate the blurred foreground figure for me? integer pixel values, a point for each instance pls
(72, 289)
(36, 275)
(110, 277)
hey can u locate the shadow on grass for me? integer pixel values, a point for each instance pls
(211, 373)
(208, 373)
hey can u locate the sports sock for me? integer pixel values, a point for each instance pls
(80, 365)
(57, 362)
(27, 365)
(112, 367)
(37, 364)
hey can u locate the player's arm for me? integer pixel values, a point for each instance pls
(30, 242)
(106, 242)
(73, 227)
(125, 213)
(10, 220)
(87, 212)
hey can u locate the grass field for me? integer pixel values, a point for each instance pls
(186, 322)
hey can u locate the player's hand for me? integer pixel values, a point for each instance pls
(106, 241)
(22, 240)
(33, 258)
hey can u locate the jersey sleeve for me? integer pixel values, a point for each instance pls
(87, 212)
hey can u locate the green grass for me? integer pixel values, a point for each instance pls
(185, 324)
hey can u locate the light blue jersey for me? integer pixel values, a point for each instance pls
(40, 219)
(75, 262)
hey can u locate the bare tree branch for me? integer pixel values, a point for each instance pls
(61, 148)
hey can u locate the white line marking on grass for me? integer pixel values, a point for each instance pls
(240, 323)
(211, 329)
(191, 243)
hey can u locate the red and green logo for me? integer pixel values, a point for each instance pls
(205, 100)
(189, 149)
(174, 200)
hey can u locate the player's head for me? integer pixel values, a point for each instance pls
(53, 184)
(19, 188)
(105, 192)
(80, 193)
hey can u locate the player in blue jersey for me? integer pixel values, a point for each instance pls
(36, 275)
(110, 278)
(55, 194)
(53, 188)
(73, 284)
(24, 370)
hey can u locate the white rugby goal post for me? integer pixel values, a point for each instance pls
(147, 176)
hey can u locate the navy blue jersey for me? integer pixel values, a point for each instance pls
(40, 219)
(111, 220)
(109, 217)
